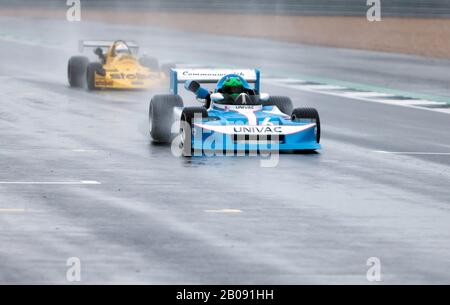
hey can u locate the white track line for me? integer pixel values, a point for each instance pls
(84, 150)
(323, 87)
(12, 210)
(345, 94)
(412, 153)
(401, 102)
(83, 182)
(375, 97)
(365, 94)
(443, 110)
(224, 211)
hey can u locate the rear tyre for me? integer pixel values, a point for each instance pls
(307, 115)
(161, 116)
(283, 103)
(76, 71)
(93, 67)
(187, 116)
(149, 62)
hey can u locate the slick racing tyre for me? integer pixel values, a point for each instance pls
(283, 103)
(161, 117)
(93, 67)
(187, 116)
(76, 71)
(149, 62)
(307, 115)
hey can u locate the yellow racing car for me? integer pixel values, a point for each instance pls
(118, 67)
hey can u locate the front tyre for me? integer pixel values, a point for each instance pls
(161, 116)
(307, 115)
(187, 117)
(76, 70)
(283, 103)
(93, 67)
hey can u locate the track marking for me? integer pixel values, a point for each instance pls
(412, 153)
(84, 150)
(323, 87)
(443, 110)
(363, 95)
(12, 210)
(412, 102)
(224, 211)
(83, 182)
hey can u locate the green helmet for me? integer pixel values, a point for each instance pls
(233, 86)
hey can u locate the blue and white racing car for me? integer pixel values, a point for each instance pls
(235, 116)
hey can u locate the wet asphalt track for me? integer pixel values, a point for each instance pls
(153, 218)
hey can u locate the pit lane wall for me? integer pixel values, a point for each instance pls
(407, 26)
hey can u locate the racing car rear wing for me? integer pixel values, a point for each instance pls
(178, 76)
(104, 44)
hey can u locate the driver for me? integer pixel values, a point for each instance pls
(233, 86)
(121, 49)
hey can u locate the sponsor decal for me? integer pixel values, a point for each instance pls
(211, 74)
(130, 76)
(245, 107)
(256, 129)
(238, 108)
(103, 83)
